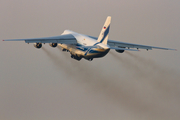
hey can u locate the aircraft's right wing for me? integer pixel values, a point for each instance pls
(66, 39)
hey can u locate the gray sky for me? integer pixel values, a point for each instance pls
(47, 84)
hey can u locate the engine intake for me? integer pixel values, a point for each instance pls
(53, 44)
(38, 45)
(120, 51)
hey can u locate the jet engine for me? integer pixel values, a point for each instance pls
(53, 44)
(120, 51)
(38, 45)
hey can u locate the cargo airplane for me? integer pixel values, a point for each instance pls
(87, 47)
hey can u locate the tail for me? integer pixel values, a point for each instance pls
(103, 37)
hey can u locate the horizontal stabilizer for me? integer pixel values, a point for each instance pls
(87, 47)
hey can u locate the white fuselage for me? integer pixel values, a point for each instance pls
(86, 47)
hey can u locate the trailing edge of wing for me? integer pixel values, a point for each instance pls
(123, 49)
(163, 48)
(67, 38)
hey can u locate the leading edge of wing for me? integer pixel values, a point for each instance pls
(138, 46)
(67, 38)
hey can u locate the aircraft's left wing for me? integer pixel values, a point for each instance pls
(66, 39)
(130, 46)
(119, 44)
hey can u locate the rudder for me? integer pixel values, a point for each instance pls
(103, 37)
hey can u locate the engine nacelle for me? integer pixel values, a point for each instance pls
(63, 49)
(38, 45)
(53, 44)
(120, 51)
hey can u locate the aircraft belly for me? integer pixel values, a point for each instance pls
(85, 53)
(72, 49)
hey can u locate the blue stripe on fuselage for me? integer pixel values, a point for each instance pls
(90, 48)
(78, 46)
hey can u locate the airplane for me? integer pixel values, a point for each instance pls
(87, 47)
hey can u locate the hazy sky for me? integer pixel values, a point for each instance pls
(47, 84)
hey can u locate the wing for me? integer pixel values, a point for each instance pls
(66, 39)
(119, 44)
(127, 46)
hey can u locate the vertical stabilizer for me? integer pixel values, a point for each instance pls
(103, 37)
